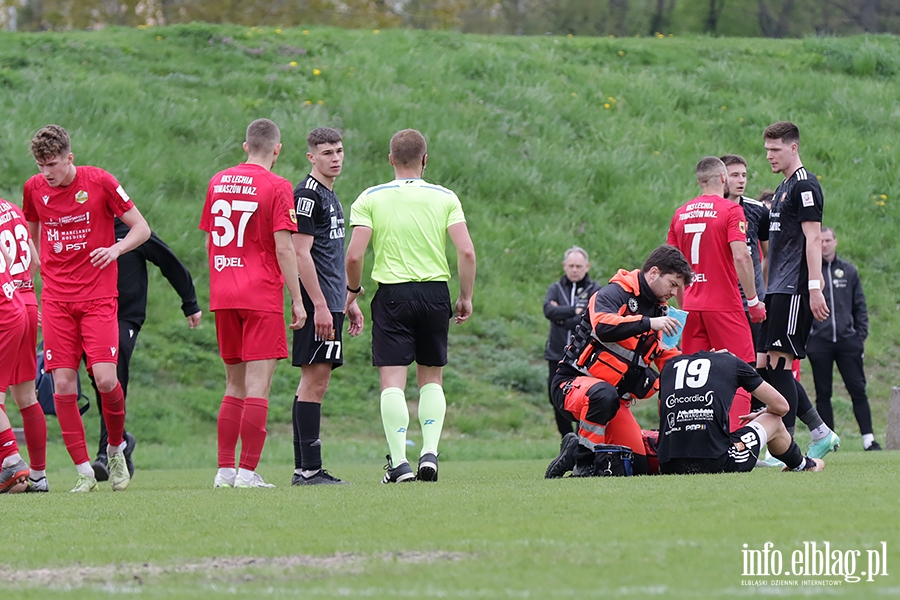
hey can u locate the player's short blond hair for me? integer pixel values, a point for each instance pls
(50, 142)
(262, 136)
(408, 148)
(708, 168)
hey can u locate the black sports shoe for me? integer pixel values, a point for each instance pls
(101, 468)
(874, 446)
(428, 467)
(565, 461)
(130, 443)
(399, 474)
(322, 477)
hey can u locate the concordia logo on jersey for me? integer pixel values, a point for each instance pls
(220, 262)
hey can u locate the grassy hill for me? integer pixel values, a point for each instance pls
(548, 141)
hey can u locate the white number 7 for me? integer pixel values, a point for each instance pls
(697, 228)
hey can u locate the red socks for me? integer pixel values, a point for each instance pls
(72, 427)
(114, 414)
(229, 429)
(253, 432)
(35, 426)
(8, 444)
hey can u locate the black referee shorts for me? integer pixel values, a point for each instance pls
(411, 322)
(787, 324)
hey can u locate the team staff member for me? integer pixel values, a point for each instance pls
(566, 299)
(607, 365)
(695, 393)
(249, 218)
(712, 232)
(133, 285)
(14, 333)
(408, 221)
(71, 210)
(794, 295)
(841, 338)
(318, 345)
(16, 241)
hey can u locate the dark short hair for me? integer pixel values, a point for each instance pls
(784, 131)
(408, 147)
(669, 259)
(766, 196)
(827, 229)
(323, 135)
(733, 159)
(709, 167)
(262, 136)
(50, 142)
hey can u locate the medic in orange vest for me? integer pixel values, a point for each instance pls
(607, 365)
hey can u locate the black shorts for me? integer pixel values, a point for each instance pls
(307, 349)
(787, 324)
(756, 329)
(741, 456)
(411, 321)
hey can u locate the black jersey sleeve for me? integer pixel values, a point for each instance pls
(307, 204)
(747, 376)
(807, 197)
(158, 252)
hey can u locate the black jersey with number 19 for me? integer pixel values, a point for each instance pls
(797, 200)
(695, 395)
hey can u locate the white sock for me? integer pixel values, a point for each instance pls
(85, 469)
(112, 450)
(309, 474)
(245, 474)
(12, 459)
(227, 473)
(36, 475)
(820, 432)
(868, 438)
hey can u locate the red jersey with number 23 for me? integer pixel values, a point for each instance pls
(75, 220)
(703, 230)
(245, 206)
(14, 238)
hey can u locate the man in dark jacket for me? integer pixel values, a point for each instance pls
(840, 339)
(565, 301)
(133, 312)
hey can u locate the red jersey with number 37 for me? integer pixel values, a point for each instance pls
(75, 220)
(245, 206)
(703, 230)
(14, 239)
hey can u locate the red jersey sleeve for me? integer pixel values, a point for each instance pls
(116, 198)
(204, 216)
(670, 237)
(737, 225)
(27, 206)
(283, 214)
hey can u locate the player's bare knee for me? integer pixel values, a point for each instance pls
(23, 394)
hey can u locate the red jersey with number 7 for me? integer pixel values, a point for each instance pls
(14, 239)
(75, 220)
(703, 230)
(245, 206)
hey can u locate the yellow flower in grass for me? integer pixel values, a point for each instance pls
(320, 102)
(607, 106)
(293, 63)
(317, 72)
(306, 32)
(278, 31)
(376, 31)
(621, 53)
(884, 196)
(308, 102)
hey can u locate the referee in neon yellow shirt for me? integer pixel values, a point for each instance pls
(408, 221)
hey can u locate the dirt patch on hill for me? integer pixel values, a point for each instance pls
(241, 568)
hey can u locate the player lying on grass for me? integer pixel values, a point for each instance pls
(696, 392)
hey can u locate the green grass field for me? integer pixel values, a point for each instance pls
(487, 529)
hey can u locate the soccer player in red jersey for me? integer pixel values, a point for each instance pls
(249, 218)
(16, 242)
(712, 233)
(71, 210)
(13, 330)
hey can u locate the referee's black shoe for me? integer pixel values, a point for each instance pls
(130, 443)
(565, 461)
(399, 474)
(428, 467)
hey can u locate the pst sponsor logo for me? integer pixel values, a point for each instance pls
(222, 262)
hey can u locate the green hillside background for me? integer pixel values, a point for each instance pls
(548, 141)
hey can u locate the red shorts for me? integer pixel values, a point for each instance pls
(718, 330)
(246, 335)
(26, 365)
(74, 329)
(14, 344)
